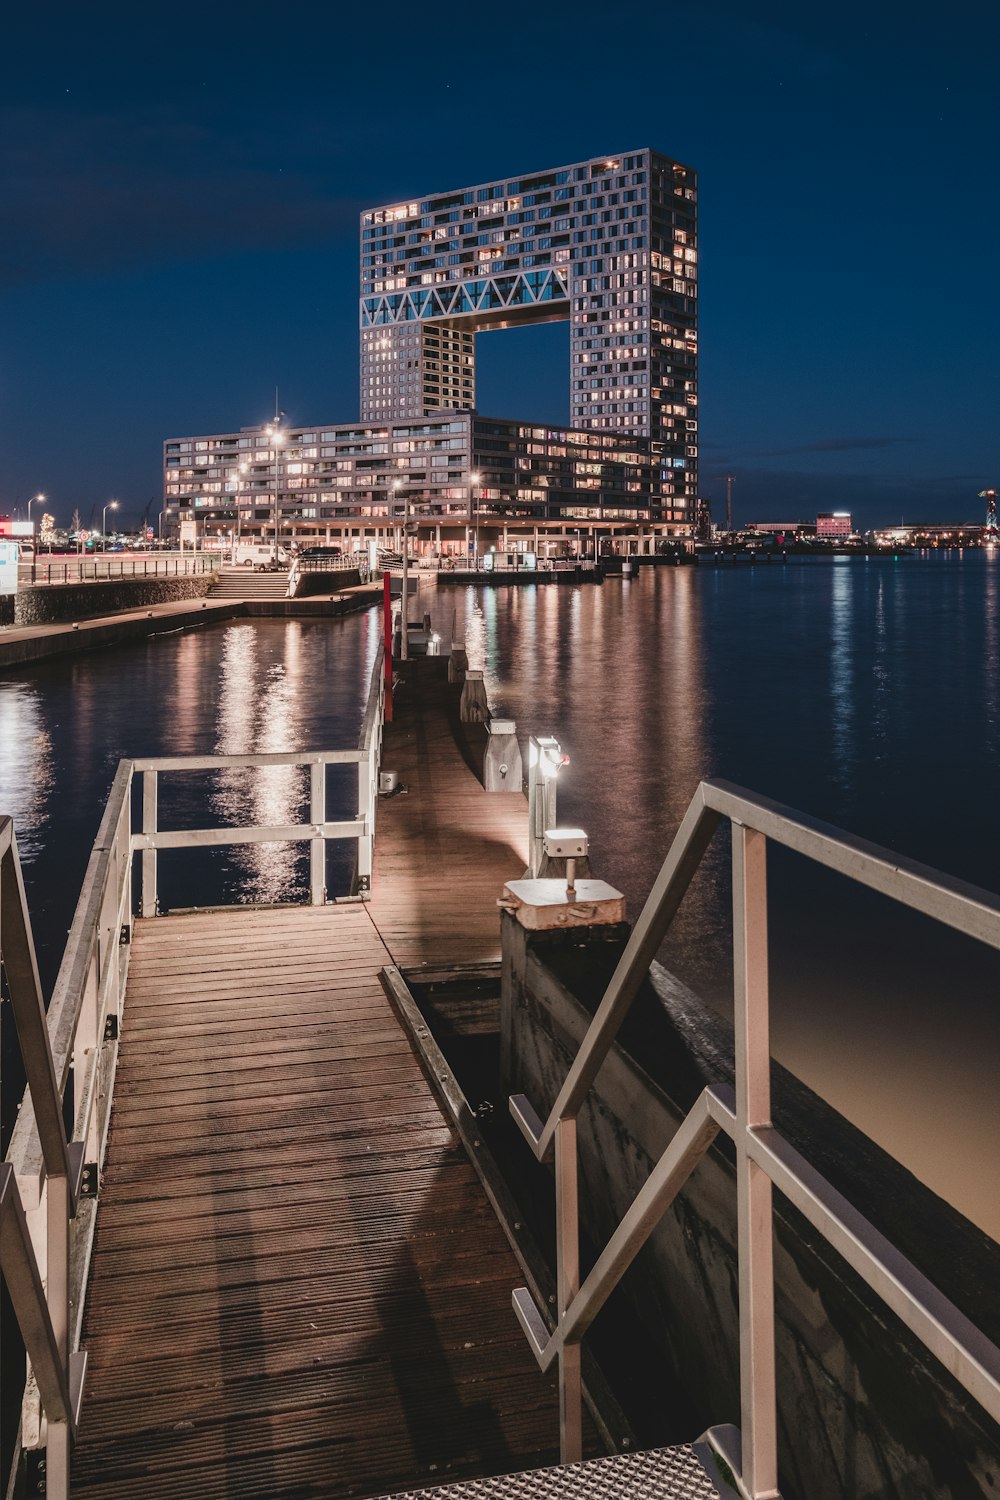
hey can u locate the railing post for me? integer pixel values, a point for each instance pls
(57, 1297)
(367, 777)
(758, 1410)
(317, 848)
(148, 903)
(567, 1286)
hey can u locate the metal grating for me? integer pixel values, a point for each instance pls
(659, 1474)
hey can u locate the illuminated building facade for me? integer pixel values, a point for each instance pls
(835, 525)
(349, 482)
(608, 246)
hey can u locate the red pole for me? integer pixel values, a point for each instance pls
(387, 624)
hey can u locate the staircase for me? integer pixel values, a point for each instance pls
(246, 583)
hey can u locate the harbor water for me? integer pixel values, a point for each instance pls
(863, 691)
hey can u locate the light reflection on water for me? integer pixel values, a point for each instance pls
(257, 714)
(26, 765)
(863, 693)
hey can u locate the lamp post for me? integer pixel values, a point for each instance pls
(31, 503)
(111, 505)
(474, 480)
(277, 436)
(239, 479)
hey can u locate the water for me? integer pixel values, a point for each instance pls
(864, 692)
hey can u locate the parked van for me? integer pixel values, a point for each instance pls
(258, 555)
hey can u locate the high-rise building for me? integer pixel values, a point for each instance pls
(608, 245)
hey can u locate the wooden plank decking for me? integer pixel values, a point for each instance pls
(443, 848)
(298, 1286)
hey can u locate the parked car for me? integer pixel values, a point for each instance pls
(309, 553)
(261, 556)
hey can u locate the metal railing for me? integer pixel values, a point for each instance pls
(317, 831)
(355, 560)
(763, 1157)
(48, 1188)
(43, 572)
(47, 1184)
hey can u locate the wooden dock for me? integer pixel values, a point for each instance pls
(299, 1288)
(444, 848)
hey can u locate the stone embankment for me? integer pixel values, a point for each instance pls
(107, 596)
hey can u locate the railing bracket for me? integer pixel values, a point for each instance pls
(34, 1471)
(74, 1156)
(125, 935)
(89, 1180)
(111, 1028)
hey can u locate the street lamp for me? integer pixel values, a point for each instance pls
(31, 503)
(277, 436)
(473, 482)
(111, 505)
(239, 479)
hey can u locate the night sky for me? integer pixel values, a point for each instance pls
(181, 189)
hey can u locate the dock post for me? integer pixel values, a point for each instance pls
(317, 845)
(387, 633)
(502, 769)
(148, 902)
(474, 708)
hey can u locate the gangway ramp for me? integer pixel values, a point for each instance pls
(298, 1285)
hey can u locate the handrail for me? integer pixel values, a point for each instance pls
(50, 572)
(317, 831)
(763, 1156)
(35, 1237)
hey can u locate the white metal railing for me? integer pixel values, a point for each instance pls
(52, 570)
(763, 1157)
(48, 1188)
(47, 1220)
(317, 831)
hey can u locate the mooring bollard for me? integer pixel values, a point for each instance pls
(502, 769)
(474, 708)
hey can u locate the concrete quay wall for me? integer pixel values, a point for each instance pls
(864, 1411)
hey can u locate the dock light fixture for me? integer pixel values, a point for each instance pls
(545, 760)
(569, 844)
(111, 505)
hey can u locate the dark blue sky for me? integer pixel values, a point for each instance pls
(181, 186)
